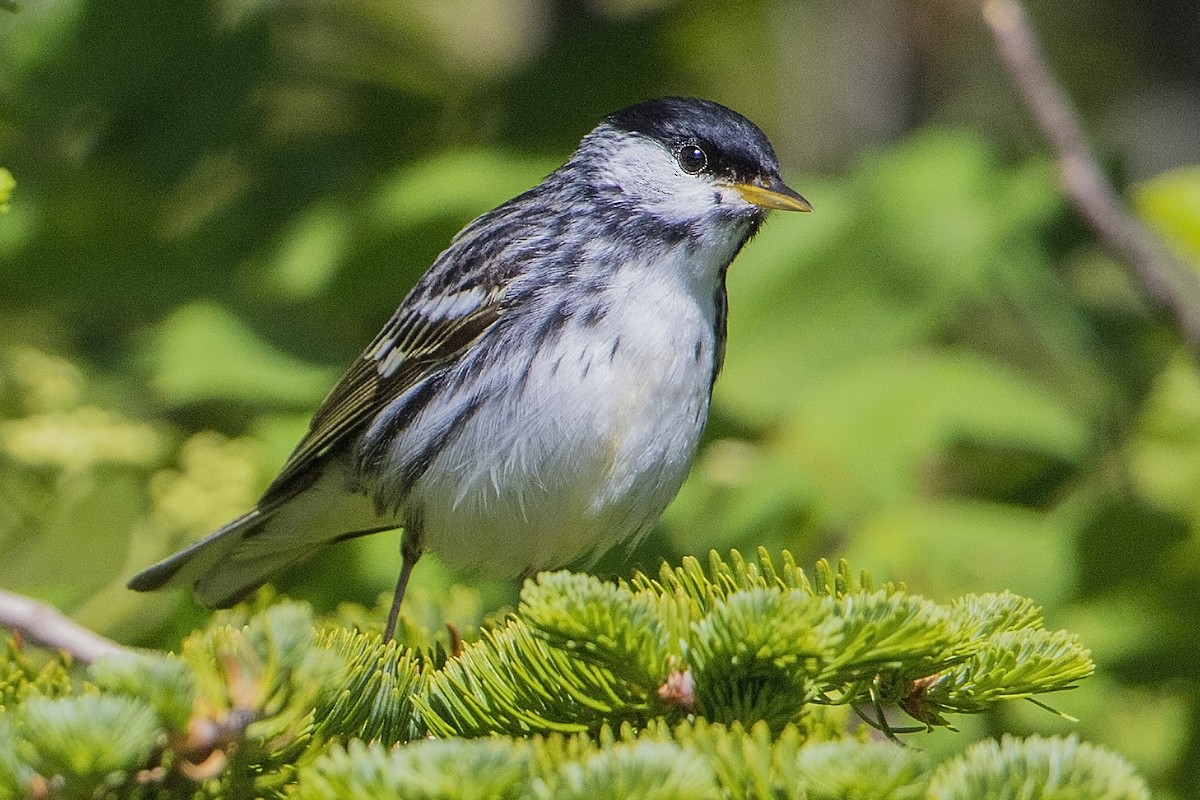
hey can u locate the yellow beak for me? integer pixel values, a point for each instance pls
(775, 194)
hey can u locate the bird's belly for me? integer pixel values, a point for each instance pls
(585, 454)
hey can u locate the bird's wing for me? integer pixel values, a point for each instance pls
(421, 337)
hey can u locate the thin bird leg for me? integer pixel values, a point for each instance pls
(410, 552)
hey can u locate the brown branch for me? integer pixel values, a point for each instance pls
(1168, 283)
(45, 625)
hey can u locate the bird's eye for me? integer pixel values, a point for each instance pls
(692, 158)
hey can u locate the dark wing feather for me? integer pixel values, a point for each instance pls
(413, 344)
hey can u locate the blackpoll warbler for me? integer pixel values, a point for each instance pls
(540, 393)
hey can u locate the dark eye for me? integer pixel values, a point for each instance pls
(692, 158)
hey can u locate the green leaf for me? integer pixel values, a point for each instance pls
(1037, 769)
(161, 680)
(750, 764)
(724, 577)
(1011, 665)
(861, 770)
(87, 742)
(512, 682)
(22, 676)
(627, 633)
(887, 630)
(754, 655)
(376, 701)
(1170, 202)
(202, 352)
(646, 770)
(493, 769)
(980, 615)
(15, 773)
(455, 184)
(1165, 457)
(310, 252)
(262, 677)
(7, 184)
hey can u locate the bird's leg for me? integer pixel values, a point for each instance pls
(410, 552)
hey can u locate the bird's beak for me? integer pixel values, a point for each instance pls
(775, 194)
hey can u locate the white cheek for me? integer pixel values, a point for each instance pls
(643, 169)
(650, 175)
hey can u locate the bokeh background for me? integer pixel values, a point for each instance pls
(939, 374)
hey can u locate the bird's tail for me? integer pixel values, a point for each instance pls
(225, 566)
(232, 562)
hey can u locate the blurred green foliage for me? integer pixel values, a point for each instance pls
(939, 373)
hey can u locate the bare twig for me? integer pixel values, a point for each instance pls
(1167, 282)
(45, 625)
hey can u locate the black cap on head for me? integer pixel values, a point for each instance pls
(734, 143)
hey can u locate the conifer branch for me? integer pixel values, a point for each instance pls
(705, 680)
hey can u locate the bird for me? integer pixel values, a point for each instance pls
(539, 395)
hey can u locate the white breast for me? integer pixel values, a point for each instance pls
(596, 443)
